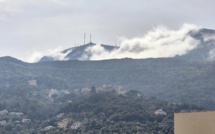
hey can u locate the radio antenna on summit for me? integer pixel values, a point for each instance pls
(84, 38)
(90, 38)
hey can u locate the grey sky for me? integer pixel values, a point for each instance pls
(29, 26)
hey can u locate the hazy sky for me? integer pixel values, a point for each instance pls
(40, 26)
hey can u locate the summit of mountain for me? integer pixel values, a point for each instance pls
(203, 50)
(78, 53)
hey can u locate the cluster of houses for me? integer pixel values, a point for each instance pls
(13, 118)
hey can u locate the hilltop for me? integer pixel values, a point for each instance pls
(79, 52)
(204, 50)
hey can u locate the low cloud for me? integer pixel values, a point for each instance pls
(34, 57)
(156, 43)
(211, 55)
(209, 38)
(55, 53)
(159, 42)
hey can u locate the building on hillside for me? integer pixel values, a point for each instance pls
(194, 123)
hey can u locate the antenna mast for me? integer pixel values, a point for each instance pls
(84, 38)
(90, 38)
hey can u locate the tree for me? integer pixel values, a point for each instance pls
(93, 90)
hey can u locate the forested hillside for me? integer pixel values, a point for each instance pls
(99, 110)
(171, 79)
(107, 112)
(139, 96)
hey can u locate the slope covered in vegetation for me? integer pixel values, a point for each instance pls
(171, 79)
(108, 112)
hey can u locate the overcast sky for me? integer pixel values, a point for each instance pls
(40, 26)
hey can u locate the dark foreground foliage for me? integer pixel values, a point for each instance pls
(130, 113)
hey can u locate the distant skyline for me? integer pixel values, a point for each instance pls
(37, 27)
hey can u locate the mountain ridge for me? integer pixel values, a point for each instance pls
(11, 60)
(205, 50)
(76, 53)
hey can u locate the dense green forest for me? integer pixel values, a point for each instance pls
(98, 111)
(112, 96)
(130, 113)
(166, 78)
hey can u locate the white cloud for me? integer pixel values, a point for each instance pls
(55, 53)
(58, 2)
(209, 38)
(13, 7)
(211, 55)
(36, 56)
(159, 42)
(42, 24)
